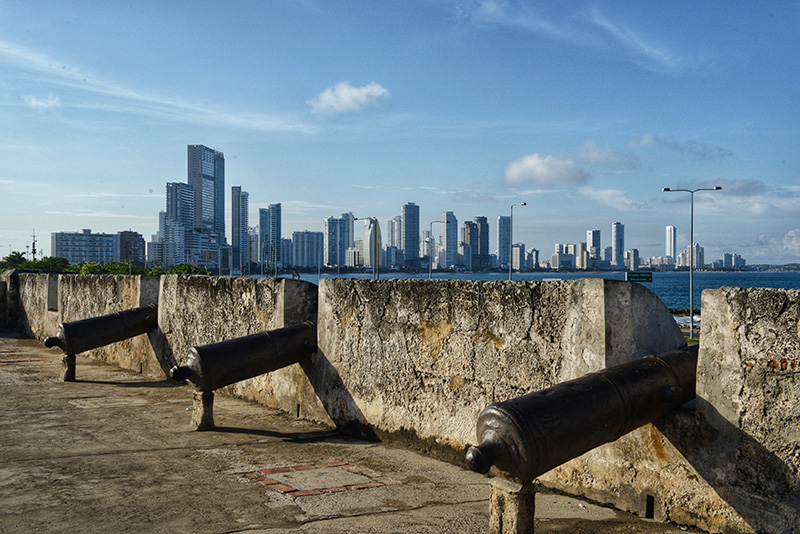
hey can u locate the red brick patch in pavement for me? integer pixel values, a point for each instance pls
(319, 479)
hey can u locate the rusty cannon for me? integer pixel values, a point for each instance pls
(75, 337)
(527, 436)
(213, 366)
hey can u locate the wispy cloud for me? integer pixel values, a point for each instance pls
(636, 47)
(126, 100)
(700, 150)
(345, 98)
(99, 214)
(111, 195)
(49, 102)
(592, 30)
(791, 241)
(591, 153)
(613, 198)
(544, 169)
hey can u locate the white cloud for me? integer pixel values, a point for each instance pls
(540, 169)
(792, 242)
(49, 102)
(613, 198)
(345, 98)
(701, 150)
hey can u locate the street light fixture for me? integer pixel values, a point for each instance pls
(511, 237)
(691, 248)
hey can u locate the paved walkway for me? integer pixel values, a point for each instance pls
(113, 452)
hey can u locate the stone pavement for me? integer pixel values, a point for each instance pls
(113, 452)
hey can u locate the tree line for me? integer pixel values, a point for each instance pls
(17, 260)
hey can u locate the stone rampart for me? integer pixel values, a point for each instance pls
(417, 360)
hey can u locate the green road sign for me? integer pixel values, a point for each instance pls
(638, 276)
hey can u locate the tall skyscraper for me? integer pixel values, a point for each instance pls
(275, 235)
(269, 235)
(593, 244)
(672, 234)
(503, 239)
(349, 235)
(450, 239)
(239, 226)
(373, 248)
(335, 234)
(483, 258)
(410, 234)
(618, 245)
(394, 231)
(207, 179)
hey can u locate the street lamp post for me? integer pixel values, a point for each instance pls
(691, 248)
(511, 237)
(430, 246)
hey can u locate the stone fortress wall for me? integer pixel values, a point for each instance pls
(415, 361)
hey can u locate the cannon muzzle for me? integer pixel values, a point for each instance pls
(530, 435)
(210, 367)
(75, 337)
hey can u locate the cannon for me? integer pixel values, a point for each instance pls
(75, 337)
(213, 366)
(527, 436)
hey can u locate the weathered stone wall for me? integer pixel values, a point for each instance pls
(748, 395)
(33, 315)
(426, 357)
(197, 310)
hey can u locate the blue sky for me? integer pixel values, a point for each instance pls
(584, 110)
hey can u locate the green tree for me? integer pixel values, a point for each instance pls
(53, 263)
(14, 260)
(90, 267)
(186, 268)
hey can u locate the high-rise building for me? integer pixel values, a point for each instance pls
(335, 239)
(593, 244)
(618, 245)
(410, 235)
(275, 235)
(450, 245)
(349, 236)
(469, 237)
(269, 235)
(672, 234)
(78, 247)
(239, 225)
(518, 256)
(207, 179)
(373, 247)
(482, 259)
(394, 231)
(632, 259)
(503, 239)
(131, 248)
(307, 249)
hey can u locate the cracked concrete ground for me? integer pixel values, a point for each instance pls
(113, 452)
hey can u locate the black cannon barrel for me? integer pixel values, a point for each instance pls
(75, 337)
(530, 435)
(213, 366)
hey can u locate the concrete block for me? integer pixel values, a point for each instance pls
(512, 507)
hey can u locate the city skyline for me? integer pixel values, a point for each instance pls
(585, 111)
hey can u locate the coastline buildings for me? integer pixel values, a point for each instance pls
(618, 245)
(269, 235)
(239, 231)
(79, 247)
(503, 240)
(672, 235)
(450, 240)
(409, 215)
